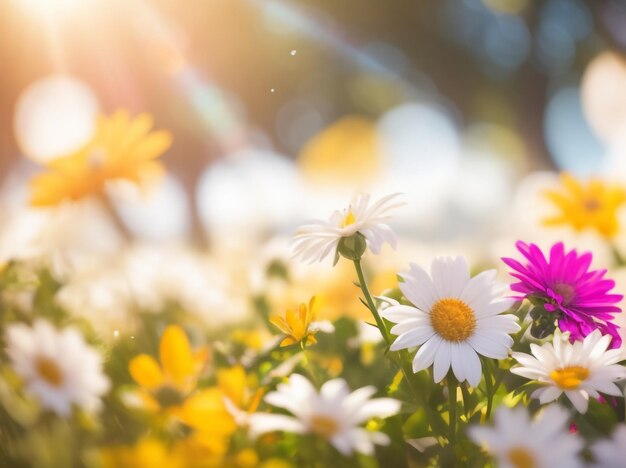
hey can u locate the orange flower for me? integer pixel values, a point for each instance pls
(593, 205)
(121, 149)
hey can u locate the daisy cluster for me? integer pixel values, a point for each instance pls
(323, 358)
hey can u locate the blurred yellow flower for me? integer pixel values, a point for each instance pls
(587, 206)
(206, 412)
(241, 393)
(171, 386)
(170, 382)
(354, 138)
(339, 297)
(153, 453)
(146, 453)
(297, 325)
(121, 149)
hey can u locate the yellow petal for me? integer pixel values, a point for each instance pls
(136, 130)
(205, 411)
(146, 372)
(280, 322)
(291, 319)
(288, 341)
(233, 383)
(152, 146)
(176, 356)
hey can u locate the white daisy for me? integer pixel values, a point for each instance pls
(334, 413)
(611, 453)
(315, 241)
(580, 370)
(516, 441)
(58, 367)
(452, 319)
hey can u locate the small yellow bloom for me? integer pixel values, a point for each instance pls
(593, 205)
(167, 383)
(121, 149)
(296, 325)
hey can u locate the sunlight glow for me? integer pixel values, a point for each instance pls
(48, 8)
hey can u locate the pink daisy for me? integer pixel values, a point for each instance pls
(565, 286)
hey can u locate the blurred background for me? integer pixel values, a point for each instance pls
(280, 108)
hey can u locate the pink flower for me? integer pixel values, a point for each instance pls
(564, 285)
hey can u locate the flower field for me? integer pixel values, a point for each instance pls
(278, 234)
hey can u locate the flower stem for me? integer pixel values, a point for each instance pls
(452, 410)
(400, 358)
(619, 259)
(490, 390)
(370, 301)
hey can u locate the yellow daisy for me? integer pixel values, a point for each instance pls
(299, 326)
(122, 148)
(593, 205)
(170, 389)
(168, 383)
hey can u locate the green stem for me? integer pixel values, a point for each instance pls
(619, 259)
(452, 410)
(490, 390)
(309, 368)
(401, 358)
(370, 302)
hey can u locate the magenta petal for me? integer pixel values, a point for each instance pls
(584, 300)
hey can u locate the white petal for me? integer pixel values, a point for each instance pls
(442, 361)
(261, 423)
(426, 354)
(579, 399)
(413, 338)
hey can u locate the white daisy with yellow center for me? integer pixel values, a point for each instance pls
(516, 441)
(580, 370)
(318, 239)
(335, 413)
(453, 318)
(57, 366)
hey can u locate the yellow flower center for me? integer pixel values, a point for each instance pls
(569, 378)
(591, 204)
(97, 158)
(348, 219)
(49, 371)
(521, 458)
(452, 319)
(324, 426)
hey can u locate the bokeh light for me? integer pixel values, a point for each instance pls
(247, 195)
(604, 95)
(572, 144)
(54, 116)
(421, 143)
(158, 213)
